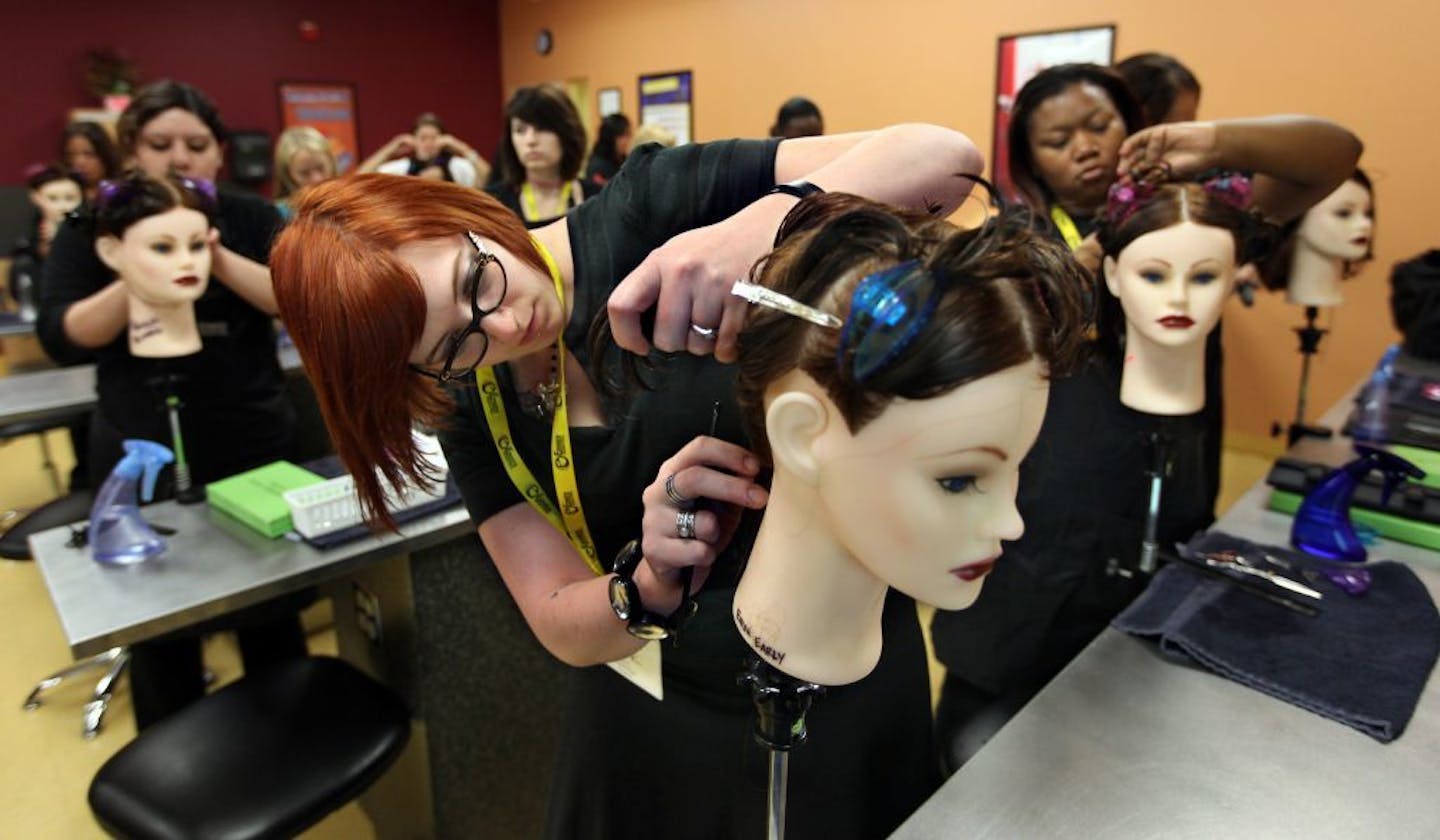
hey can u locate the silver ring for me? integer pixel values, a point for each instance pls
(685, 524)
(704, 332)
(679, 500)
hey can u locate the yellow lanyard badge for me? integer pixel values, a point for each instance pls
(568, 517)
(532, 211)
(1066, 225)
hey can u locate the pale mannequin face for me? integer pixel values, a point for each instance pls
(1173, 282)
(56, 198)
(925, 493)
(81, 158)
(1075, 139)
(529, 317)
(1340, 226)
(178, 141)
(427, 142)
(164, 259)
(539, 150)
(307, 167)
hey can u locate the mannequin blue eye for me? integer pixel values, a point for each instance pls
(1203, 278)
(956, 483)
(1152, 277)
(161, 247)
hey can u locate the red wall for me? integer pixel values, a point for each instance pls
(403, 58)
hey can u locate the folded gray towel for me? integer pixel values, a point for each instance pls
(1362, 661)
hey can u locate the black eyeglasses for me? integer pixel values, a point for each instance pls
(469, 347)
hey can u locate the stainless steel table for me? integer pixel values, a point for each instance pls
(214, 565)
(1124, 744)
(71, 390)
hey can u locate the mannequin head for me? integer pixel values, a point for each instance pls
(907, 426)
(54, 193)
(154, 234)
(1326, 246)
(1171, 254)
(1342, 224)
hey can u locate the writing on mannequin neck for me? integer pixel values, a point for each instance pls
(1171, 255)
(155, 235)
(896, 439)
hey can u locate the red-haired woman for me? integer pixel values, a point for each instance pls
(388, 284)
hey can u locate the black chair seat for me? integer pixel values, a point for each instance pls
(268, 756)
(52, 514)
(42, 424)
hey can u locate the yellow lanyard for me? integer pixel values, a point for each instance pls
(569, 519)
(532, 213)
(1067, 227)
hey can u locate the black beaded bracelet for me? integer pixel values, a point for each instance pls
(799, 189)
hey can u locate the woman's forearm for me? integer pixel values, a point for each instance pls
(247, 278)
(912, 165)
(97, 320)
(1297, 160)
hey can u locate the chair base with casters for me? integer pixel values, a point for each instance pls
(267, 756)
(92, 717)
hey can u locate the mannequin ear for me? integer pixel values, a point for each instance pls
(107, 248)
(1111, 268)
(793, 422)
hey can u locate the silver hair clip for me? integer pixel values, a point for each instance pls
(762, 296)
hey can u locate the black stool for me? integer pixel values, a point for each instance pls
(268, 756)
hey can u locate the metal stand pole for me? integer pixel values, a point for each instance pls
(1159, 442)
(186, 493)
(781, 702)
(1310, 336)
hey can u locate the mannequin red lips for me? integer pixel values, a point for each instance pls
(974, 571)
(187, 281)
(1176, 322)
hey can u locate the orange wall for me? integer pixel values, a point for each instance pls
(872, 63)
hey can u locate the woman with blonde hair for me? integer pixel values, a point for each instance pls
(302, 157)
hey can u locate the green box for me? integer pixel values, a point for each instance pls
(255, 499)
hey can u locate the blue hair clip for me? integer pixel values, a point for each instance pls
(887, 311)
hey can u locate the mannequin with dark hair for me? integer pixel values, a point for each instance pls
(155, 235)
(1171, 253)
(1326, 246)
(896, 438)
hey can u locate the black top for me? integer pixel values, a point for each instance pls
(235, 415)
(688, 766)
(510, 197)
(600, 170)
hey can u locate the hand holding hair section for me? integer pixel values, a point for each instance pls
(896, 438)
(156, 236)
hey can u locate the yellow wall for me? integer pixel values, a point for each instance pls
(1370, 67)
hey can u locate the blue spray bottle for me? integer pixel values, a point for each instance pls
(118, 534)
(1322, 525)
(1372, 420)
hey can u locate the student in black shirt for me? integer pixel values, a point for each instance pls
(235, 415)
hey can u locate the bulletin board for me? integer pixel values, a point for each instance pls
(668, 99)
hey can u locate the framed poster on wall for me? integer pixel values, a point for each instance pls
(1019, 58)
(608, 101)
(328, 107)
(668, 99)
